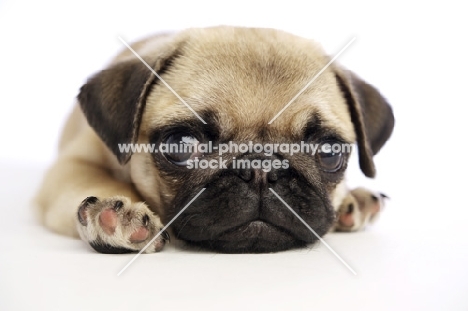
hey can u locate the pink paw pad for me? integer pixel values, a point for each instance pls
(108, 220)
(346, 220)
(139, 235)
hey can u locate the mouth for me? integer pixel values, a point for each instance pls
(256, 228)
(253, 237)
(233, 216)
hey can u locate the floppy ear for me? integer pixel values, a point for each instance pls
(113, 100)
(371, 115)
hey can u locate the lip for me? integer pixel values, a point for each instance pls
(256, 229)
(253, 237)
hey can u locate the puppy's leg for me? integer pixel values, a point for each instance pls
(111, 218)
(357, 209)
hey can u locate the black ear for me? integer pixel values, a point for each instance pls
(371, 115)
(113, 100)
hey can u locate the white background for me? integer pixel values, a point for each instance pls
(414, 258)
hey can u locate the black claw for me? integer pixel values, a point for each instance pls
(118, 205)
(381, 195)
(82, 209)
(166, 236)
(384, 196)
(89, 200)
(145, 220)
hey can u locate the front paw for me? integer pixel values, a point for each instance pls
(115, 225)
(360, 207)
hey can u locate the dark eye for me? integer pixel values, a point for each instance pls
(180, 147)
(330, 157)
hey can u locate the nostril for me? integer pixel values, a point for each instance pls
(258, 175)
(246, 175)
(272, 176)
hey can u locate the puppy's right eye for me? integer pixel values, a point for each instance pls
(181, 147)
(329, 159)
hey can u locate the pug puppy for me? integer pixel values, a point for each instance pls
(235, 80)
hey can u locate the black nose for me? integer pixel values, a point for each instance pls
(258, 175)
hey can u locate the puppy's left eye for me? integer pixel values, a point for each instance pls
(181, 147)
(330, 160)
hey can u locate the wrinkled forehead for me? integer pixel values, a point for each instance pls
(244, 82)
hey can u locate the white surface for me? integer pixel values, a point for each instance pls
(404, 262)
(414, 258)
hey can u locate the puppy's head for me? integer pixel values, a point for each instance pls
(237, 80)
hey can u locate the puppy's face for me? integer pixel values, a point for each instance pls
(237, 80)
